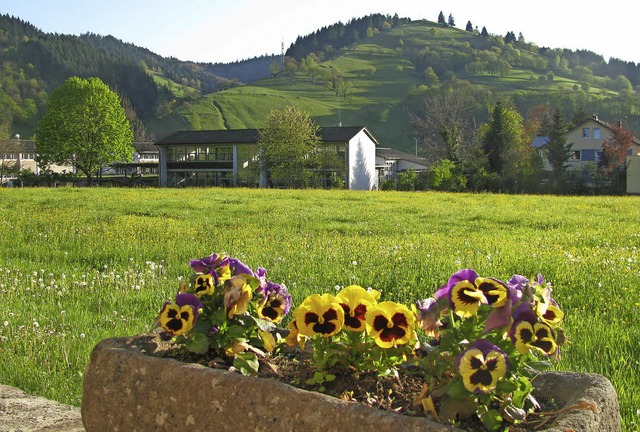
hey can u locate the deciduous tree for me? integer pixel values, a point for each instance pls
(85, 126)
(288, 142)
(612, 163)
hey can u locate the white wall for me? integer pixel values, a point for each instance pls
(362, 163)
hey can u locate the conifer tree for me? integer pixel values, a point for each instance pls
(557, 150)
(441, 20)
(469, 27)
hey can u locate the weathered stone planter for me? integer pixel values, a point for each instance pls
(127, 390)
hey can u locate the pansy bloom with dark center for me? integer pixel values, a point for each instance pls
(319, 315)
(390, 323)
(217, 265)
(355, 302)
(466, 291)
(204, 284)
(275, 302)
(179, 317)
(481, 366)
(531, 335)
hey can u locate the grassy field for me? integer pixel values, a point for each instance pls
(81, 265)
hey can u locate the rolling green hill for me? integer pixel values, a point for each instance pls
(386, 81)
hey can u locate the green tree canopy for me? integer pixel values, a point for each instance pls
(85, 126)
(288, 142)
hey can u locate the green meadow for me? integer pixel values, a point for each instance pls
(81, 265)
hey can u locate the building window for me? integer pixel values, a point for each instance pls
(596, 133)
(575, 155)
(598, 154)
(588, 155)
(585, 133)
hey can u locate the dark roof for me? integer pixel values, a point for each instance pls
(145, 147)
(221, 136)
(18, 146)
(343, 133)
(249, 136)
(391, 154)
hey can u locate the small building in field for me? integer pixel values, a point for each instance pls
(229, 157)
(390, 163)
(145, 161)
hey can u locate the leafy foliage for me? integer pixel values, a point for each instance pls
(84, 126)
(287, 140)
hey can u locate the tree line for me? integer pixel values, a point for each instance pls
(497, 155)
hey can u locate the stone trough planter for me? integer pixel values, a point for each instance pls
(127, 390)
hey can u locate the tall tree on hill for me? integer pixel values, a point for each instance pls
(484, 32)
(441, 20)
(85, 126)
(469, 27)
(288, 139)
(451, 22)
(612, 164)
(558, 150)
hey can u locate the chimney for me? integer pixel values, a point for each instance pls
(595, 116)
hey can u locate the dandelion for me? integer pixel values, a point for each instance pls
(6, 323)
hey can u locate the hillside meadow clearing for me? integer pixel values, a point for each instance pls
(81, 265)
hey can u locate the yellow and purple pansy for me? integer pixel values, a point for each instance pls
(319, 315)
(529, 333)
(481, 366)
(217, 265)
(467, 291)
(180, 316)
(275, 302)
(390, 324)
(203, 284)
(355, 302)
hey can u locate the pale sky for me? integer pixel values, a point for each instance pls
(225, 31)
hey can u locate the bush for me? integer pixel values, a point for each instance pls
(444, 175)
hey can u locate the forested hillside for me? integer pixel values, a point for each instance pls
(34, 63)
(377, 71)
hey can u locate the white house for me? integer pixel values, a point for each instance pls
(230, 157)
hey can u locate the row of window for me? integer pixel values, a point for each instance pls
(16, 156)
(588, 133)
(200, 153)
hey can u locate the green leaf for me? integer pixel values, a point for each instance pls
(521, 393)
(456, 389)
(492, 420)
(540, 365)
(247, 363)
(505, 386)
(198, 343)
